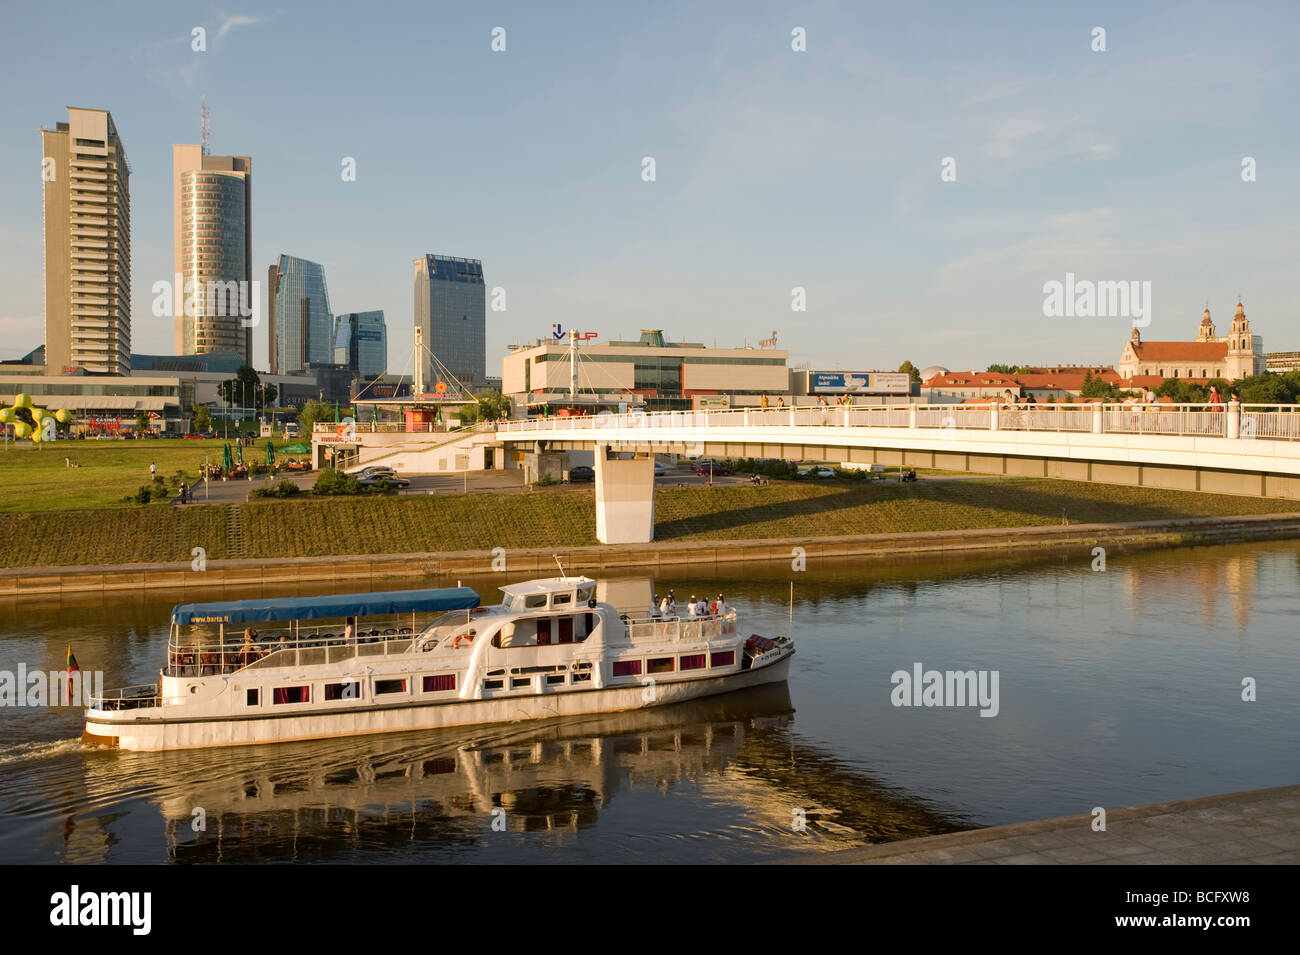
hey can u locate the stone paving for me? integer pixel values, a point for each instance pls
(1251, 828)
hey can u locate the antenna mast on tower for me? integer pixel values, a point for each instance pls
(203, 112)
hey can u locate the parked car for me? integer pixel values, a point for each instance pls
(660, 470)
(817, 473)
(709, 466)
(384, 481)
(581, 474)
(376, 470)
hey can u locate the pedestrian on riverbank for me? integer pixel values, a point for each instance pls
(153, 470)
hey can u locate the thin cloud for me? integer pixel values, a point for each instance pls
(238, 20)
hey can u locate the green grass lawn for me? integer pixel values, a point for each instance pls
(33, 479)
(565, 516)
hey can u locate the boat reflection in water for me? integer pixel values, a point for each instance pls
(513, 792)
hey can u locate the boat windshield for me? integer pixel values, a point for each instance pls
(453, 621)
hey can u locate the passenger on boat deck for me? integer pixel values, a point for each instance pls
(350, 631)
(692, 606)
(702, 608)
(665, 608)
(654, 607)
(672, 604)
(720, 606)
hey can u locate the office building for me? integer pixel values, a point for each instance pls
(87, 204)
(213, 222)
(450, 310)
(301, 325)
(662, 373)
(361, 343)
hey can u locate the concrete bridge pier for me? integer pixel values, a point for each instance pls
(625, 497)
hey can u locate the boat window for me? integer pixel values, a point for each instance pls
(693, 662)
(390, 686)
(560, 599)
(536, 632)
(660, 665)
(584, 594)
(252, 698)
(521, 683)
(492, 684)
(443, 681)
(535, 601)
(581, 677)
(347, 690)
(554, 678)
(627, 667)
(723, 659)
(291, 694)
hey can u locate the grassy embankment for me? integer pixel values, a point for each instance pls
(565, 516)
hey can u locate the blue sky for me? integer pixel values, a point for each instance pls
(775, 168)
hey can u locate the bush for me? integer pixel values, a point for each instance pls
(333, 482)
(154, 491)
(281, 488)
(544, 481)
(769, 468)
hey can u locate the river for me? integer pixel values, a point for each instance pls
(1115, 687)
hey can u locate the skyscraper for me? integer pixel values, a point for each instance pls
(213, 220)
(450, 308)
(87, 202)
(301, 323)
(361, 343)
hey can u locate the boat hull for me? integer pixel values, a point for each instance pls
(151, 734)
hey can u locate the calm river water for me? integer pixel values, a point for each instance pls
(1115, 688)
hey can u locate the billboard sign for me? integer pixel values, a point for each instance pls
(711, 402)
(859, 383)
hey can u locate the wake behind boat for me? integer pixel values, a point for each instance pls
(548, 649)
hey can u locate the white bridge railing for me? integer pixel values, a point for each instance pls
(1231, 420)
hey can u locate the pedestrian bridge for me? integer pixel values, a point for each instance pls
(1250, 450)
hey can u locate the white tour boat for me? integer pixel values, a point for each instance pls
(548, 649)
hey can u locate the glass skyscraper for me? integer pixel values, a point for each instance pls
(361, 343)
(301, 323)
(213, 252)
(450, 309)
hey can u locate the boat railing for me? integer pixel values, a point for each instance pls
(686, 629)
(140, 696)
(268, 651)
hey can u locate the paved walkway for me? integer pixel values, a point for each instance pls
(1251, 828)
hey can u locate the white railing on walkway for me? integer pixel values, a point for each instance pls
(1244, 421)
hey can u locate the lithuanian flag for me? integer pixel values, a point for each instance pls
(72, 668)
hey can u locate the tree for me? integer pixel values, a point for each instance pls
(913, 372)
(242, 389)
(492, 406)
(141, 423)
(313, 411)
(1097, 387)
(1266, 389)
(266, 395)
(202, 418)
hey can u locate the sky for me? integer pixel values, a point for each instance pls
(774, 169)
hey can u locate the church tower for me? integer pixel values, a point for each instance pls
(1206, 332)
(1241, 350)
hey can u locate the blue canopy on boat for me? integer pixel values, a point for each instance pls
(327, 605)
